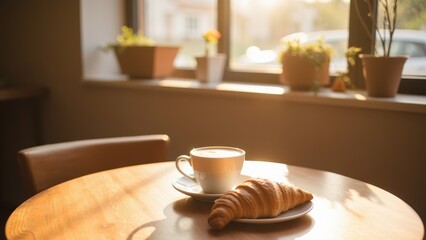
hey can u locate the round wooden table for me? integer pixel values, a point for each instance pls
(139, 202)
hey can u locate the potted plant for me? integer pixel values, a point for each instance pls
(139, 57)
(382, 72)
(210, 67)
(306, 66)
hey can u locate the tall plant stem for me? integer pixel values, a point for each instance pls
(393, 26)
(373, 16)
(389, 25)
(385, 24)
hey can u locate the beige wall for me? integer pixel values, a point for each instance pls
(40, 44)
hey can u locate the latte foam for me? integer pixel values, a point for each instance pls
(216, 152)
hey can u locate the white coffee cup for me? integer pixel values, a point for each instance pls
(216, 169)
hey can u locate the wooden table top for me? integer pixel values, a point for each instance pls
(139, 202)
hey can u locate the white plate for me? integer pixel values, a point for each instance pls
(293, 213)
(191, 188)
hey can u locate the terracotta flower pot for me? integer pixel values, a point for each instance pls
(210, 69)
(382, 74)
(146, 61)
(300, 73)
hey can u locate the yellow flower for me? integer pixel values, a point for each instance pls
(212, 36)
(352, 53)
(129, 38)
(317, 51)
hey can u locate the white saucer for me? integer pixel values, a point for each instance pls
(191, 188)
(291, 214)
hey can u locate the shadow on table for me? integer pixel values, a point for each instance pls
(188, 217)
(336, 188)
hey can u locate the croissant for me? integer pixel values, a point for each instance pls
(256, 198)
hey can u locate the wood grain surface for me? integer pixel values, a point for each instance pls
(139, 202)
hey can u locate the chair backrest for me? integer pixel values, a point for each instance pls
(47, 165)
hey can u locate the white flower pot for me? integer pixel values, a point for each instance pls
(211, 68)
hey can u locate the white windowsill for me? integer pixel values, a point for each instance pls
(356, 99)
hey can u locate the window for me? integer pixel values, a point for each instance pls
(257, 28)
(252, 30)
(409, 37)
(192, 26)
(179, 22)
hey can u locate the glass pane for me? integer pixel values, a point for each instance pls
(410, 35)
(257, 27)
(179, 22)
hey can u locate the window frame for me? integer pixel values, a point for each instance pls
(357, 37)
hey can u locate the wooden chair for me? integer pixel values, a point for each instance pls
(47, 165)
